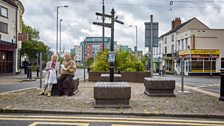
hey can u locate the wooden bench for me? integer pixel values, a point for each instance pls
(58, 92)
(112, 94)
(106, 77)
(159, 86)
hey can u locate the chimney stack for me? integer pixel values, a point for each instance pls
(176, 23)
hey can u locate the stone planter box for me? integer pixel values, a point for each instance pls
(112, 94)
(159, 86)
(137, 77)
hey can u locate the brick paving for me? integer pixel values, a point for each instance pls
(194, 103)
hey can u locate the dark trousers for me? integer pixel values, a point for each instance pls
(25, 70)
(65, 84)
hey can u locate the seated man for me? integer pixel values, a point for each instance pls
(68, 69)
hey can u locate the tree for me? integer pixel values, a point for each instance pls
(33, 45)
(126, 61)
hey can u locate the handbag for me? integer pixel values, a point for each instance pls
(52, 77)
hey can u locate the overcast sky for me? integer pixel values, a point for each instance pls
(78, 18)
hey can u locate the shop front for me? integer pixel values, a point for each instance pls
(199, 62)
(6, 57)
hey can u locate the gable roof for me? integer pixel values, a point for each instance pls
(180, 26)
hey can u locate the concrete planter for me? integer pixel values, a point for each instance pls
(126, 76)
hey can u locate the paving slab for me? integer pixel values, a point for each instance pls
(185, 104)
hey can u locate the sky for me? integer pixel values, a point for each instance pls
(78, 17)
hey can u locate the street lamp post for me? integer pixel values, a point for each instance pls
(60, 36)
(57, 28)
(136, 47)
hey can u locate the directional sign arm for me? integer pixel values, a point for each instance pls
(106, 15)
(101, 24)
(120, 22)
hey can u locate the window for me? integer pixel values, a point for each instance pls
(3, 11)
(159, 48)
(165, 49)
(178, 45)
(172, 38)
(165, 40)
(182, 44)
(186, 43)
(172, 48)
(3, 27)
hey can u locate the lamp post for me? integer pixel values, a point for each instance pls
(136, 36)
(60, 36)
(57, 27)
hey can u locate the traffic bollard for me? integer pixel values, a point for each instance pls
(221, 98)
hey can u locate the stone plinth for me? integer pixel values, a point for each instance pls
(159, 86)
(112, 94)
(106, 78)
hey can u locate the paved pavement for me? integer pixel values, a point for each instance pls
(187, 104)
(102, 120)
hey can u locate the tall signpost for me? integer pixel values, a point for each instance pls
(151, 39)
(103, 19)
(111, 26)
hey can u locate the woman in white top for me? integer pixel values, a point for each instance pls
(52, 66)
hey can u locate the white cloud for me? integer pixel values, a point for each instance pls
(78, 18)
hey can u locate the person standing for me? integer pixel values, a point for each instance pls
(52, 69)
(68, 69)
(25, 65)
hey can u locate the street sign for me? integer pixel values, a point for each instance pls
(155, 28)
(111, 57)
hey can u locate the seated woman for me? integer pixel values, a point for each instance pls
(68, 69)
(51, 78)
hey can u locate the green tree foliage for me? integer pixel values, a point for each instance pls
(126, 61)
(101, 62)
(33, 45)
(89, 61)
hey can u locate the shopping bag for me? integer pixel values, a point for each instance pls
(52, 77)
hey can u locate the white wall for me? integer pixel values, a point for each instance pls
(11, 21)
(210, 39)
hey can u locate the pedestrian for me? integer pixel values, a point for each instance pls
(52, 69)
(25, 66)
(161, 69)
(68, 68)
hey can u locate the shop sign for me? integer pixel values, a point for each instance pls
(199, 52)
(184, 52)
(205, 52)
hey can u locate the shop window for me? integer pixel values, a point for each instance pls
(222, 62)
(197, 66)
(208, 65)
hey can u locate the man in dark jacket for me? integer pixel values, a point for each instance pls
(25, 65)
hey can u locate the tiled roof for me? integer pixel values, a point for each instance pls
(12, 2)
(177, 28)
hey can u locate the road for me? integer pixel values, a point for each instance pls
(23, 85)
(102, 120)
(209, 84)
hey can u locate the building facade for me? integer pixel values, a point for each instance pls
(198, 47)
(93, 45)
(11, 12)
(77, 52)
